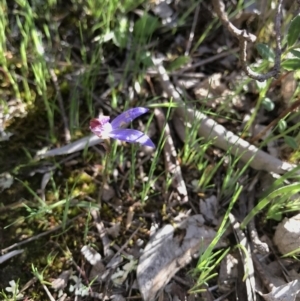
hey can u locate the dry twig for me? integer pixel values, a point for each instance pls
(244, 37)
(246, 257)
(192, 33)
(258, 245)
(262, 274)
(102, 233)
(51, 298)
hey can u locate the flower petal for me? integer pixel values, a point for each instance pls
(127, 116)
(131, 136)
(101, 126)
(100, 121)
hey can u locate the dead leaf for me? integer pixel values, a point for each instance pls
(117, 297)
(286, 292)
(228, 273)
(97, 272)
(94, 258)
(287, 235)
(166, 253)
(273, 270)
(163, 10)
(4, 136)
(121, 274)
(61, 281)
(209, 209)
(114, 230)
(91, 255)
(6, 180)
(108, 193)
(288, 87)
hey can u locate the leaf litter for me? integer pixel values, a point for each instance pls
(168, 251)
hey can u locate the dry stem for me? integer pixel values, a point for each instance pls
(244, 37)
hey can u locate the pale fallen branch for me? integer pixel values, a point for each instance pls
(220, 137)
